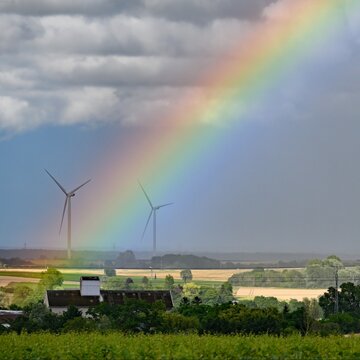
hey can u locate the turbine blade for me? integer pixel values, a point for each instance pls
(148, 199)
(72, 192)
(160, 206)
(58, 184)
(63, 214)
(147, 223)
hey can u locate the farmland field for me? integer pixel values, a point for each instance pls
(280, 294)
(6, 280)
(206, 275)
(212, 278)
(118, 346)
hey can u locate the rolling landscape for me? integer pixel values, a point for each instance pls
(179, 179)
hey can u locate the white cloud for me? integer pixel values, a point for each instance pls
(13, 114)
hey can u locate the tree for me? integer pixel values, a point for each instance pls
(22, 294)
(348, 296)
(145, 281)
(128, 283)
(186, 275)
(51, 278)
(169, 281)
(110, 272)
(113, 283)
(72, 312)
(126, 258)
(225, 293)
(190, 290)
(312, 313)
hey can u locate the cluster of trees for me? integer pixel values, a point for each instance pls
(269, 278)
(22, 295)
(184, 261)
(342, 308)
(259, 316)
(187, 288)
(317, 274)
(191, 316)
(199, 311)
(127, 259)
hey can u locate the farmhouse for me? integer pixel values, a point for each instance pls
(90, 295)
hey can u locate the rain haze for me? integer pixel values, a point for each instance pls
(78, 83)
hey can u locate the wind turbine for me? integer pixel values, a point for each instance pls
(67, 204)
(153, 211)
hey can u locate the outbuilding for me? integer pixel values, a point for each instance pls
(91, 295)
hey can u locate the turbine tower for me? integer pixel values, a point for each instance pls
(67, 205)
(153, 211)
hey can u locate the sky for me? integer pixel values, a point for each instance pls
(82, 83)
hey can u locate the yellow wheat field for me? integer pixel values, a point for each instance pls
(280, 294)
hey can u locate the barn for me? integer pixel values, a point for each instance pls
(91, 295)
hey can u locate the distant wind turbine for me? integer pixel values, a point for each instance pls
(67, 205)
(153, 214)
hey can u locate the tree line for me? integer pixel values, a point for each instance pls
(317, 274)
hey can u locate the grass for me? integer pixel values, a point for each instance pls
(37, 275)
(119, 346)
(156, 283)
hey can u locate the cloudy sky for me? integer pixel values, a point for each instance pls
(76, 74)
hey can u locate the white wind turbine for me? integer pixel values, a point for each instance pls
(153, 211)
(67, 205)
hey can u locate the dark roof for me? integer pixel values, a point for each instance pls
(89, 278)
(6, 315)
(64, 298)
(118, 297)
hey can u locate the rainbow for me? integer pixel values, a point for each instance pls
(242, 80)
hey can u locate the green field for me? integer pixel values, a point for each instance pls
(156, 283)
(37, 275)
(118, 346)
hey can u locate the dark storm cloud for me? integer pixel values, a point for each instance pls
(68, 7)
(198, 11)
(72, 61)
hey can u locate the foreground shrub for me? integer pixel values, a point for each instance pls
(116, 346)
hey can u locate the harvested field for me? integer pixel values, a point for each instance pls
(280, 294)
(64, 271)
(206, 275)
(5, 280)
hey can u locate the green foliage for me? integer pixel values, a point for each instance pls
(128, 283)
(176, 347)
(225, 293)
(169, 281)
(269, 278)
(145, 281)
(184, 261)
(191, 290)
(79, 324)
(186, 275)
(349, 299)
(318, 274)
(175, 322)
(21, 295)
(240, 319)
(71, 313)
(113, 283)
(51, 278)
(110, 272)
